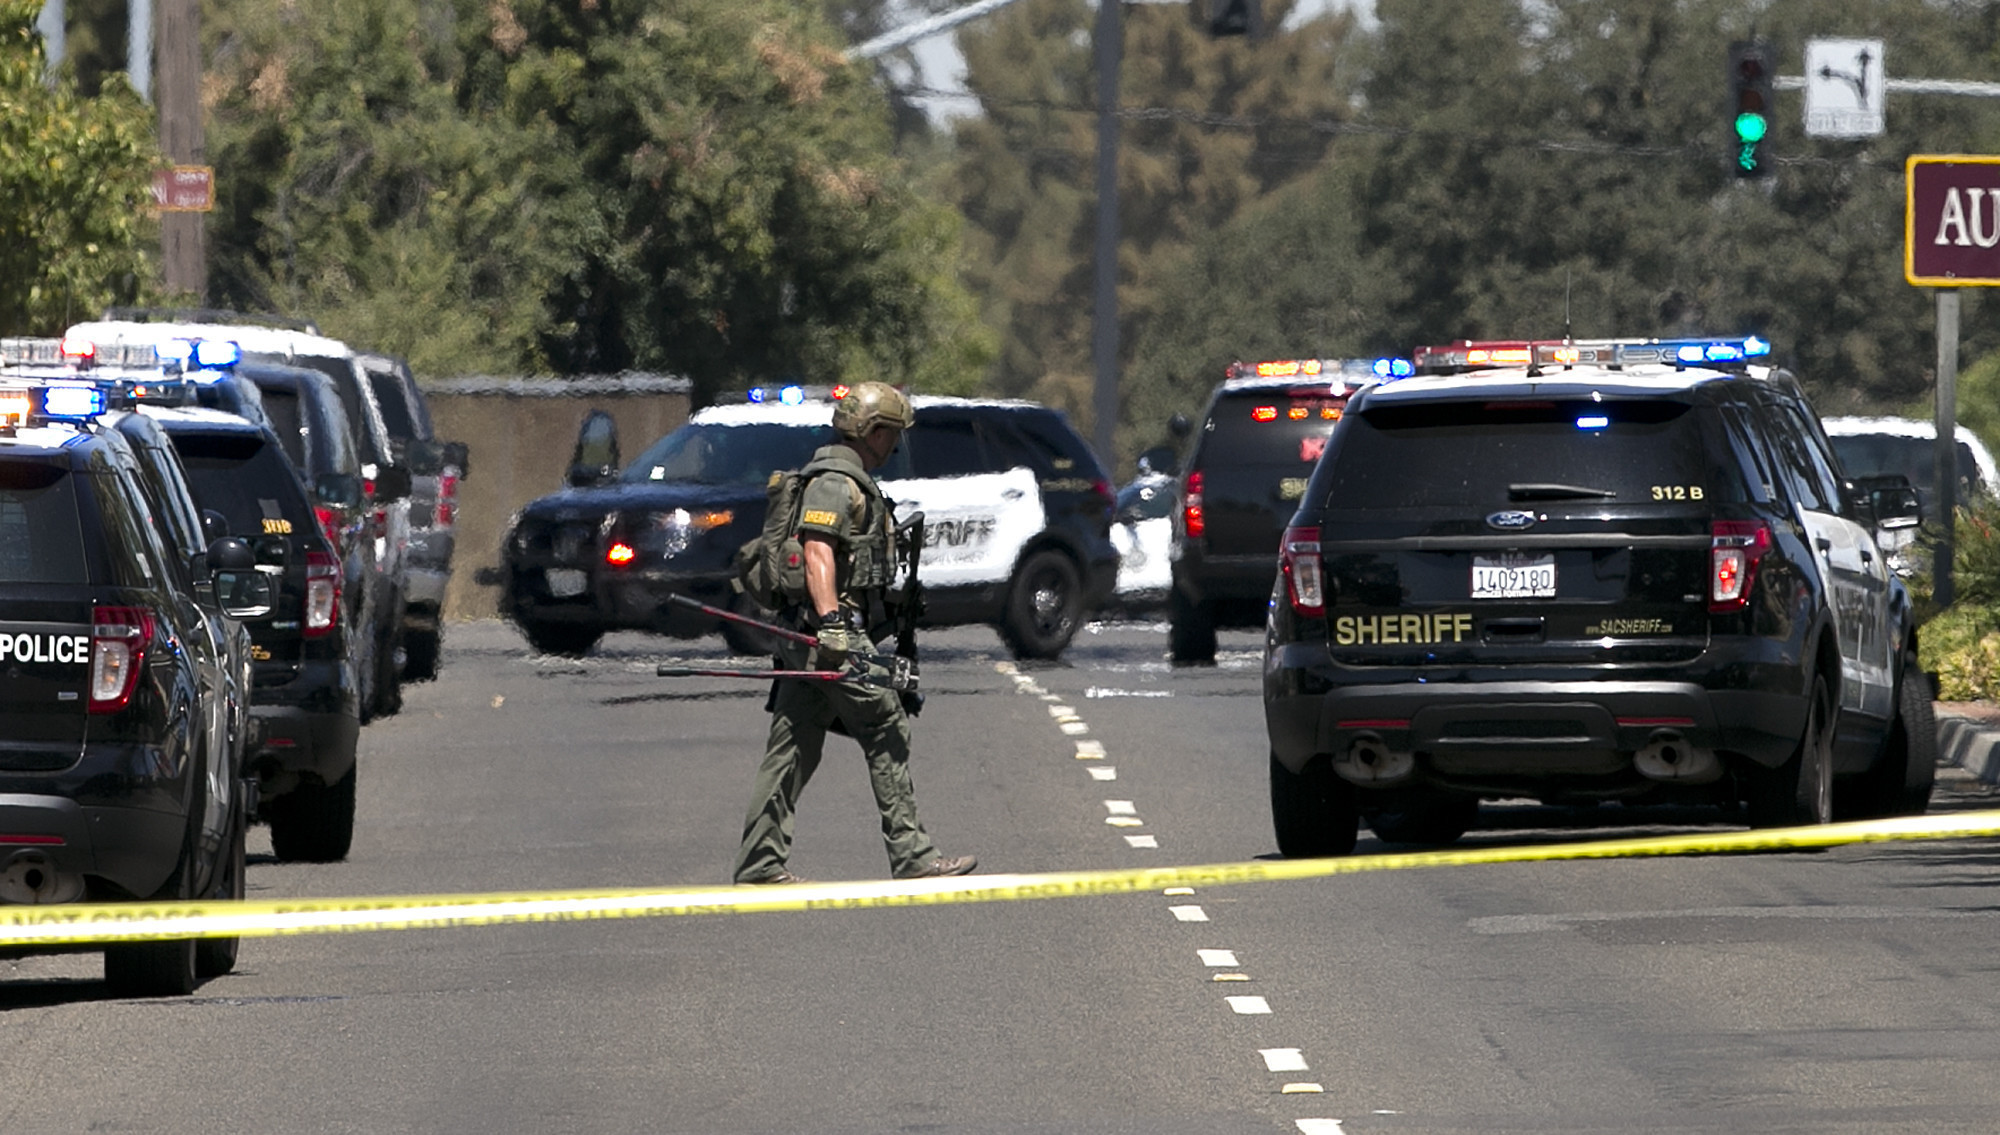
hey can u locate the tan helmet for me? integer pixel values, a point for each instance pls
(871, 404)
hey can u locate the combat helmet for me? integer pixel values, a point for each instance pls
(871, 404)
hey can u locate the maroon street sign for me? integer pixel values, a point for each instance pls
(184, 189)
(1951, 220)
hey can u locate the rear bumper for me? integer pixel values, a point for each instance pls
(1523, 723)
(635, 600)
(309, 725)
(118, 815)
(1236, 589)
(425, 587)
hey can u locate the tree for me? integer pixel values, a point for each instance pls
(1576, 179)
(1210, 128)
(76, 179)
(652, 184)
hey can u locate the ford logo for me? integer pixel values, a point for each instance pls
(1511, 520)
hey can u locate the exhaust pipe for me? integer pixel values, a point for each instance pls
(1669, 758)
(1369, 761)
(29, 877)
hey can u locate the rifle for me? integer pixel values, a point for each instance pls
(909, 606)
(901, 676)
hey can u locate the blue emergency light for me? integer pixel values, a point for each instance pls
(212, 354)
(1694, 352)
(792, 396)
(1593, 422)
(1394, 368)
(73, 403)
(757, 394)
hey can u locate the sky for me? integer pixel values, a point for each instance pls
(943, 69)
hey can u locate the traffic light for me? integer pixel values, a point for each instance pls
(1750, 106)
(1233, 17)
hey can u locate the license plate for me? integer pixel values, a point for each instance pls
(565, 582)
(1514, 577)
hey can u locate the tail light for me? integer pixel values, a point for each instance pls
(381, 524)
(1305, 581)
(322, 593)
(118, 639)
(329, 523)
(1191, 518)
(620, 554)
(447, 504)
(1735, 546)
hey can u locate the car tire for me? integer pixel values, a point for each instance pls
(214, 957)
(570, 640)
(749, 641)
(163, 969)
(1044, 606)
(1900, 782)
(314, 823)
(1798, 793)
(1312, 812)
(388, 677)
(421, 650)
(1435, 819)
(1190, 629)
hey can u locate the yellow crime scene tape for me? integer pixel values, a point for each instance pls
(84, 924)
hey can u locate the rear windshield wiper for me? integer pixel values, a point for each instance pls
(1544, 491)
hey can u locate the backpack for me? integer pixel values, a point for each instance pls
(771, 569)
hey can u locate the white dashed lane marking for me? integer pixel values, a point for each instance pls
(1103, 772)
(1215, 958)
(1120, 808)
(1188, 913)
(1320, 1127)
(1248, 1006)
(1090, 750)
(1283, 1060)
(1142, 841)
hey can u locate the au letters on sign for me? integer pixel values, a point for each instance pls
(1951, 221)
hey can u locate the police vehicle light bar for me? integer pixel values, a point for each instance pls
(68, 402)
(1352, 372)
(1472, 354)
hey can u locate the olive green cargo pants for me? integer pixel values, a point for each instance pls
(800, 716)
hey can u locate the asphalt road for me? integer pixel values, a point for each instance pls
(1852, 990)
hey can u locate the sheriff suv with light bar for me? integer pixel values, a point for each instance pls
(118, 776)
(1582, 581)
(1246, 467)
(1017, 511)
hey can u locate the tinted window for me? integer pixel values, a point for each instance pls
(1066, 453)
(713, 454)
(945, 448)
(132, 550)
(40, 540)
(1496, 455)
(395, 407)
(1877, 455)
(1269, 428)
(341, 371)
(242, 477)
(281, 406)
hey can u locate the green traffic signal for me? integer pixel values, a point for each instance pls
(1751, 127)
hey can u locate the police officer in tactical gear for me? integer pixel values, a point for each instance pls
(848, 534)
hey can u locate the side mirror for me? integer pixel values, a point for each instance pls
(392, 482)
(244, 594)
(231, 553)
(455, 453)
(595, 459)
(214, 526)
(1159, 459)
(1888, 502)
(1179, 426)
(341, 490)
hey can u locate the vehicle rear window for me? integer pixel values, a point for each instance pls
(1269, 428)
(1501, 454)
(341, 372)
(1879, 455)
(245, 479)
(40, 539)
(395, 406)
(281, 406)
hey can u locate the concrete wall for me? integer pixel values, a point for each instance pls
(520, 433)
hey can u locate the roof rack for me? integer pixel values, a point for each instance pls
(209, 315)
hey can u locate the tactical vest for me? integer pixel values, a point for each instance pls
(871, 552)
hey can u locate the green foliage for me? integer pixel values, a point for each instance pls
(76, 177)
(1525, 160)
(1962, 644)
(1025, 174)
(621, 184)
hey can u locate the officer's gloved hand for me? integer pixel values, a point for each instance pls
(839, 635)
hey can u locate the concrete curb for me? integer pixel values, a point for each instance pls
(1970, 740)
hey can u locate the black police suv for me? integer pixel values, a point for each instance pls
(1017, 535)
(304, 693)
(113, 783)
(1632, 582)
(1244, 471)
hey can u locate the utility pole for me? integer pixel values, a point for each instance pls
(1110, 43)
(183, 240)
